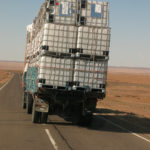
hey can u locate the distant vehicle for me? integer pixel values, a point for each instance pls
(66, 59)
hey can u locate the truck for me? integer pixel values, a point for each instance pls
(66, 60)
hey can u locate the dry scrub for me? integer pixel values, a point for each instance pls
(128, 98)
(4, 77)
(129, 93)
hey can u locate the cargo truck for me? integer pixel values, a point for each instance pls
(66, 60)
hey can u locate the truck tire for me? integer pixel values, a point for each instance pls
(24, 100)
(29, 103)
(86, 120)
(79, 118)
(35, 115)
(76, 114)
(44, 117)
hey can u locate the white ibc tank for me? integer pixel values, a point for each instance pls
(62, 11)
(90, 74)
(59, 38)
(93, 41)
(93, 13)
(55, 71)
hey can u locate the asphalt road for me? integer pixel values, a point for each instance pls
(17, 132)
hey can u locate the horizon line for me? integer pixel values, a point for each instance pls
(129, 67)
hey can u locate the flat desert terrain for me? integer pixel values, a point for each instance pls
(4, 77)
(128, 96)
(8, 65)
(7, 69)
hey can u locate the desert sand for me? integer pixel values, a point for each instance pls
(128, 97)
(11, 65)
(129, 92)
(5, 76)
(7, 69)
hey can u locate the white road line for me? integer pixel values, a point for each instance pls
(135, 134)
(6, 83)
(51, 139)
(141, 137)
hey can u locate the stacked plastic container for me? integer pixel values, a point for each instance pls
(69, 44)
(94, 40)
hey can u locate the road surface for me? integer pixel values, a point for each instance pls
(17, 132)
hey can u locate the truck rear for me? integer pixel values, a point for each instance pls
(66, 60)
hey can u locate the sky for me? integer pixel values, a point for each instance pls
(129, 20)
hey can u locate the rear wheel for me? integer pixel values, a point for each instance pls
(35, 115)
(86, 120)
(24, 100)
(81, 115)
(29, 103)
(44, 117)
(76, 113)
